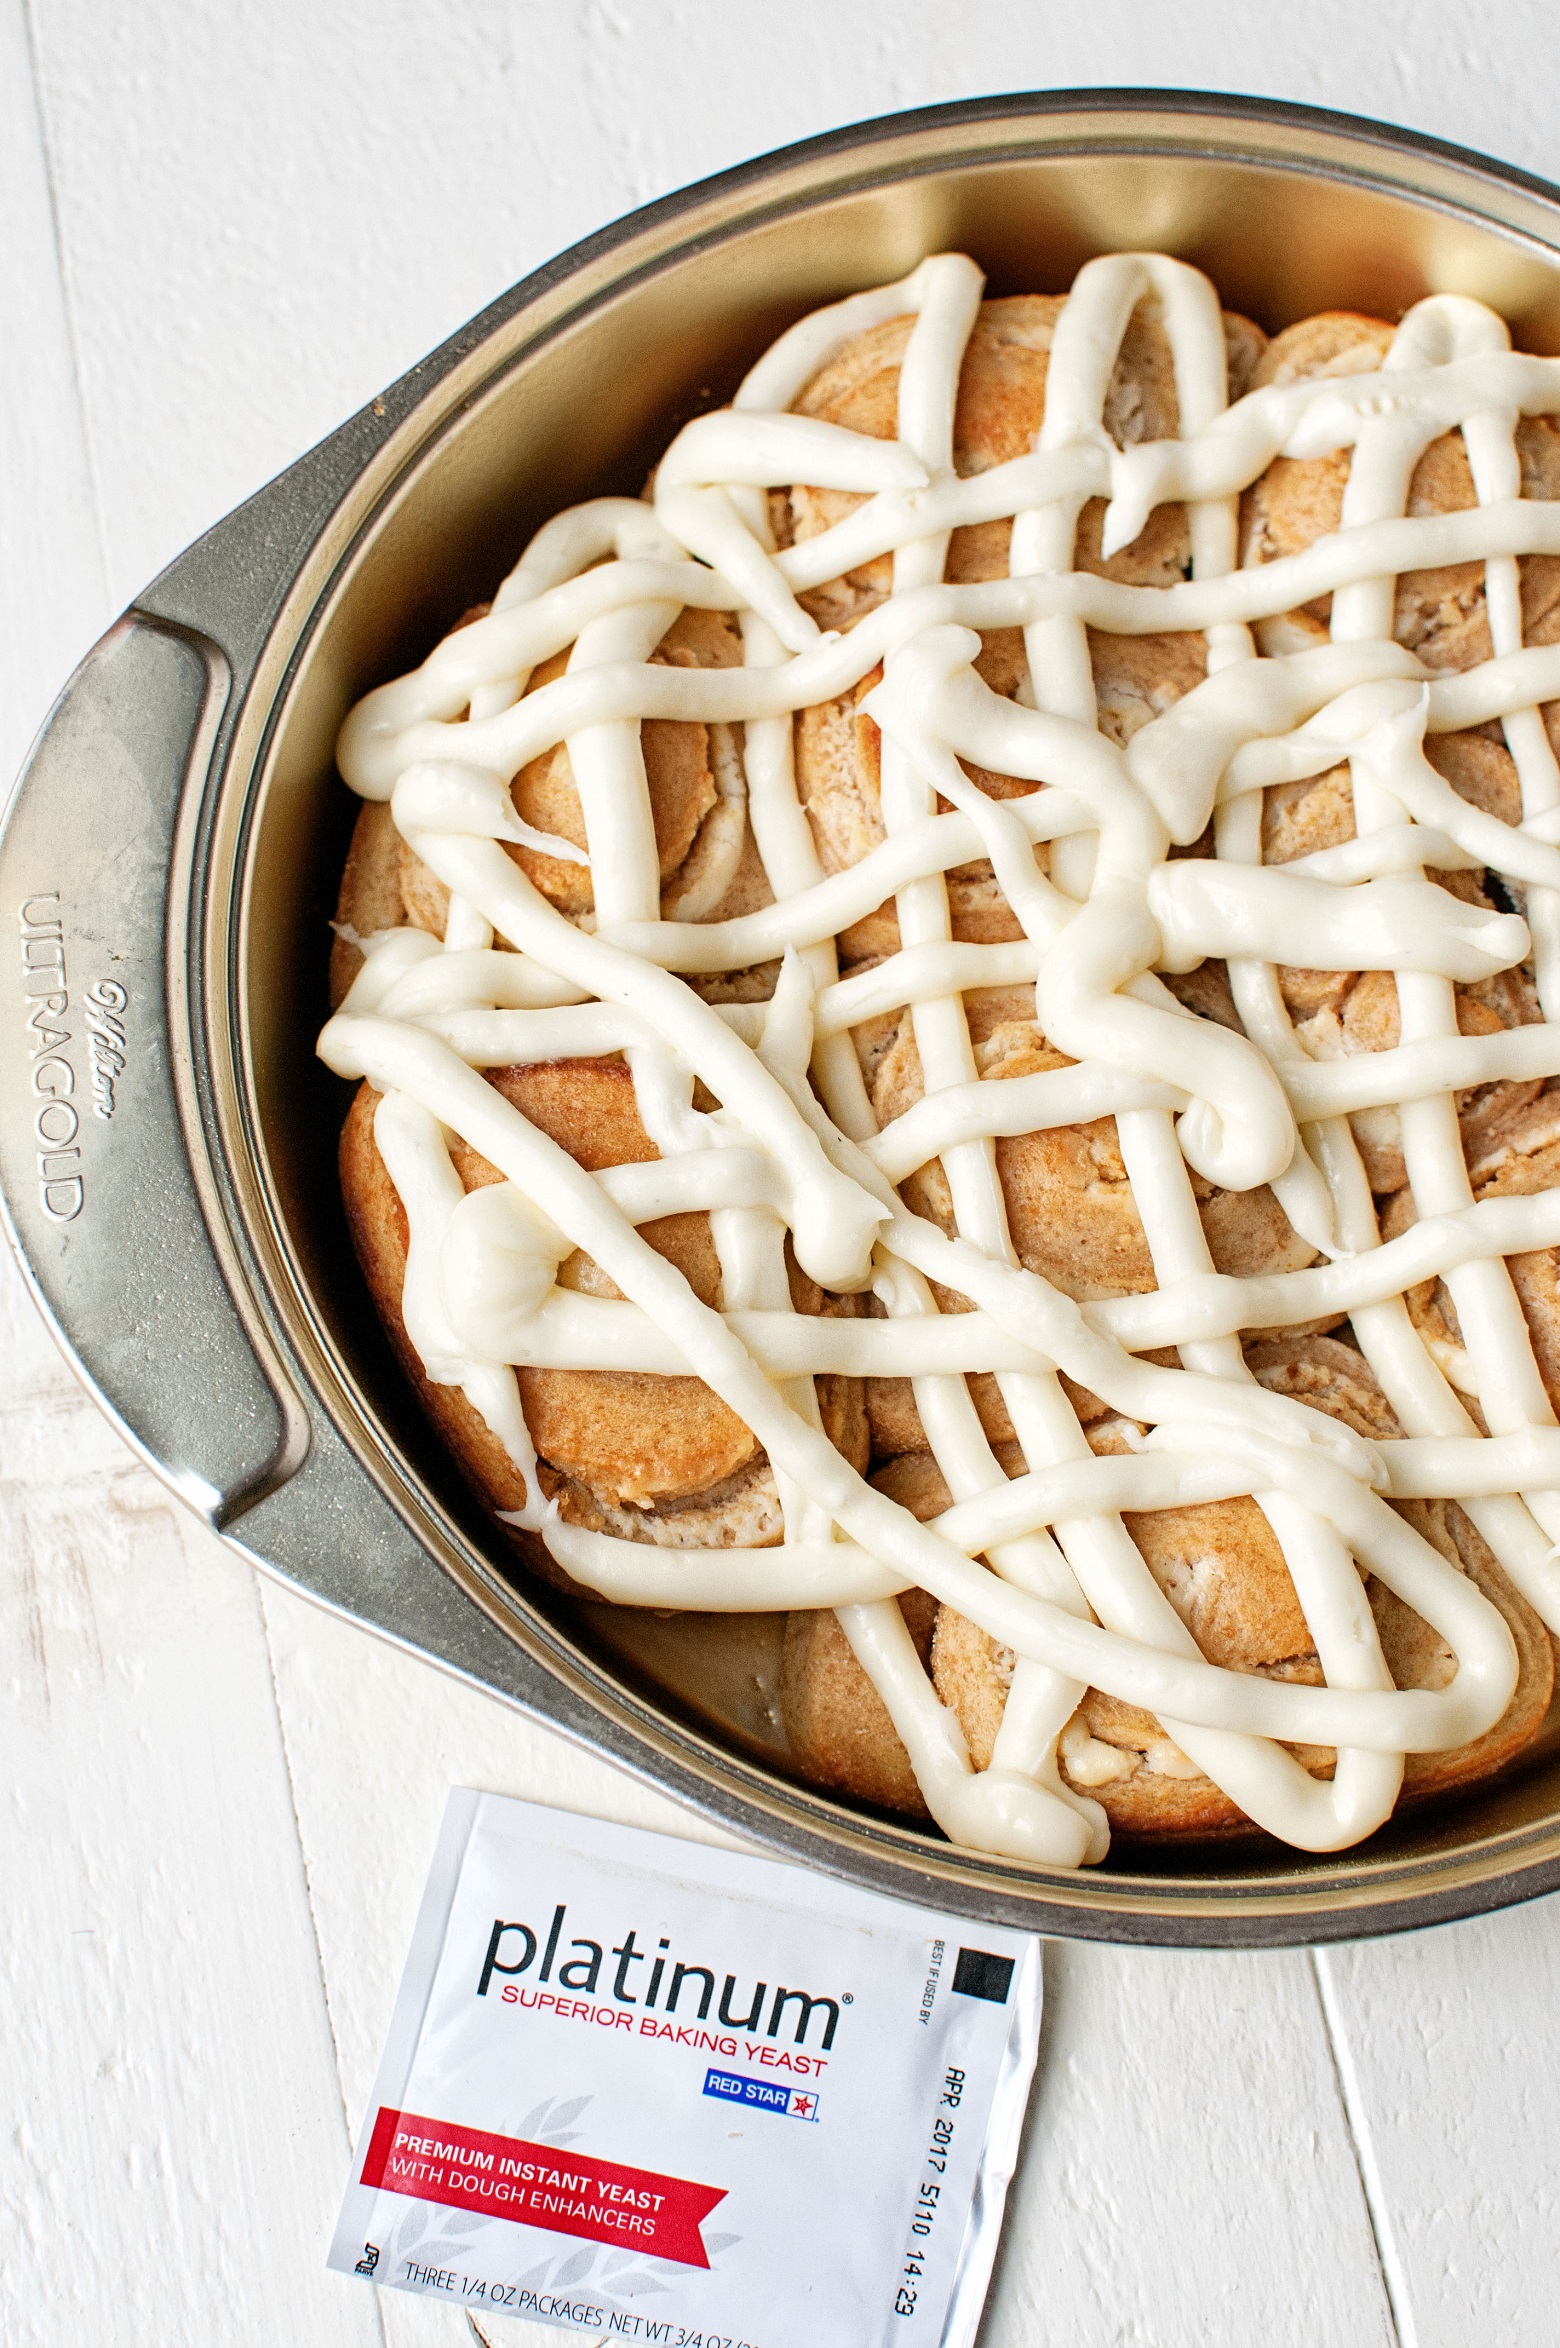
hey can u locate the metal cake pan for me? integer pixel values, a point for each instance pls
(173, 847)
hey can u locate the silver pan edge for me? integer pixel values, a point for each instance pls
(188, 1249)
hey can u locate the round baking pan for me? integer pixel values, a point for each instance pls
(167, 1137)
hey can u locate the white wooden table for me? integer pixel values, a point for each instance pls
(221, 228)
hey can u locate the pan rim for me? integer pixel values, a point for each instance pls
(1350, 1896)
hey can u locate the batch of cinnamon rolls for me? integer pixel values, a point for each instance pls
(957, 1022)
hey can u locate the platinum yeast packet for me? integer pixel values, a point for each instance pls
(652, 2091)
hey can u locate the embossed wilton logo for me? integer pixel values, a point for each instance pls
(46, 992)
(106, 998)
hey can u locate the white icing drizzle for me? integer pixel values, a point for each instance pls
(1042, 1560)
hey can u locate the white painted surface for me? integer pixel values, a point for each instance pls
(172, 2137)
(1450, 2062)
(220, 229)
(53, 597)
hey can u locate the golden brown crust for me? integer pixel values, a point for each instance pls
(1417, 1658)
(1521, 1156)
(370, 898)
(1152, 1796)
(838, 1726)
(1337, 1013)
(629, 1437)
(660, 1459)
(1001, 404)
(683, 793)
(663, 1459)
(377, 1222)
(1438, 614)
(1224, 1572)
(1069, 1203)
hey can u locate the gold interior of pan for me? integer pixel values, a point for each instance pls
(558, 407)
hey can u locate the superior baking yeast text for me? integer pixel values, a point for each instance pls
(588, 2108)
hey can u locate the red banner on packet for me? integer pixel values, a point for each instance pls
(539, 2185)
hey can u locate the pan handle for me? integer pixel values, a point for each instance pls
(95, 1176)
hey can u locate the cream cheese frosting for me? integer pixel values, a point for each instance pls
(1041, 1561)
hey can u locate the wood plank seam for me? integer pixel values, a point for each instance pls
(1394, 2277)
(308, 1883)
(303, 1856)
(62, 274)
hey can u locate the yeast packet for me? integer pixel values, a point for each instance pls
(651, 2091)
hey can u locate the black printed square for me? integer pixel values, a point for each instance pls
(979, 1974)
